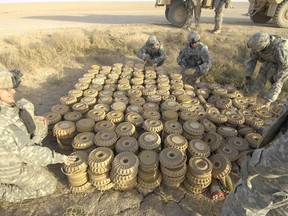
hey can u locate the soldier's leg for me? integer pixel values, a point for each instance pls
(218, 19)
(197, 13)
(33, 182)
(283, 211)
(276, 88)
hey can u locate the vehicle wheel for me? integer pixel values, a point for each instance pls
(166, 13)
(281, 15)
(177, 14)
(260, 17)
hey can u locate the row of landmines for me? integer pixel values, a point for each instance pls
(121, 121)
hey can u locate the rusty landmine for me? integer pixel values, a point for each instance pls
(263, 113)
(83, 140)
(64, 129)
(235, 119)
(90, 101)
(125, 129)
(198, 180)
(122, 179)
(278, 110)
(191, 137)
(80, 107)
(198, 148)
(115, 116)
(154, 98)
(125, 163)
(61, 109)
(200, 166)
(228, 151)
(79, 165)
(184, 98)
(193, 127)
(149, 140)
(104, 126)
(214, 140)
(194, 190)
(52, 117)
(68, 100)
(153, 125)
(98, 177)
(96, 114)
(246, 130)
(186, 107)
(199, 185)
(85, 125)
(127, 185)
(148, 185)
(254, 121)
(229, 111)
(172, 180)
(213, 110)
(176, 141)
(149, 106)
(240, 102)
(118, 106)
(136, 119)
(223, 103)
(168, 115)
(78, 178)
(100, 170)
(148, 176)
(127, 144)
(253, 139)
(227, 131)
(174, 173)
(104, 107)
(80, 189)
(256, 107)
(72, 116)
(105, 187)
(188, 115)
(239, 143)
(135, 92)
(90, 93)
(151, 114)
(100, 157)
(148, 158)
(173, 126)
(217, 118)
(208, 125)
(221, 166)
(75, 93)
(219, 91)
(105, 139)
(134, 108)
(171, 158)
(105, 100)
(137, 101)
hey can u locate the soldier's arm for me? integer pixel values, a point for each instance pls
(251, 64)
(142, 52)
(162, 55)
(206, 59)
(272, 162)
(281, 55)
(181, 57)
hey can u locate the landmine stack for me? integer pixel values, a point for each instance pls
(132, 126)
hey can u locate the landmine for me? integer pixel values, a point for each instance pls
(196, 133)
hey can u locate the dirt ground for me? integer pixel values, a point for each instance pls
(125, 26)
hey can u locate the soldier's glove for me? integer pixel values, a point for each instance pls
(41, 130)
(67, 160)
(247, 172)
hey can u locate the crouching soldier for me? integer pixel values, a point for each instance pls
(22, 158)
(194, 59)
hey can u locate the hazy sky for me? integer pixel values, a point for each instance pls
(25, 1)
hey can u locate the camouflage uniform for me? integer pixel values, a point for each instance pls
(219, 6)
(197, 58)
(193, 6)
(152, 52)
(22, 158)
(274, 59)
(263, 188)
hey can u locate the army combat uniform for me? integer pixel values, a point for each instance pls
(152, 52)
(197, 58)
(22, 158)
(194, 7)
(263, 188)
(274, 59)
(219, 6)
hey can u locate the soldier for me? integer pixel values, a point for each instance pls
(263, 187)
(193, 6)
(219, 6)
(152, 53)
(22, 158)
(272, 52)
(194, 59)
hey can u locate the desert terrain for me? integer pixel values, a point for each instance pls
(54, 44)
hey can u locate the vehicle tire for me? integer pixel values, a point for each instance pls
(166, 13)
(177, 14)
(281, 15)
(260, 17)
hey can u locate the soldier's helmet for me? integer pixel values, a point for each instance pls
(9, 79)
(193, 37)
(258, 41)
(152, 40)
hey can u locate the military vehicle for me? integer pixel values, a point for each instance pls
(264, 10)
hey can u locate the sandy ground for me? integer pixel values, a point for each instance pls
(128, 22)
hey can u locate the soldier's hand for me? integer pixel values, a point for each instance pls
(69, 159)
(190, 71)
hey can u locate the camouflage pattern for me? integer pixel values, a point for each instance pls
(22, 162)
(5, 79)
(274, 59)
(197, 58)
(268, 173)
(152, 53)
(258, 41)
(194, 7)
(219, 6)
